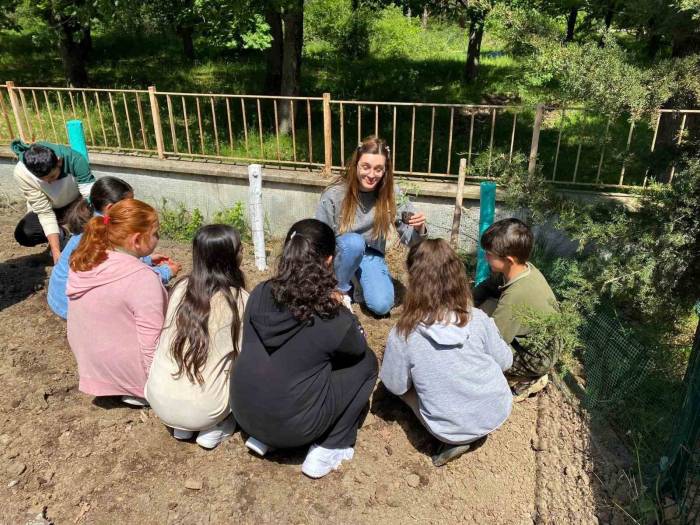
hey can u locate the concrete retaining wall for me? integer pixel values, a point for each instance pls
(287, 195)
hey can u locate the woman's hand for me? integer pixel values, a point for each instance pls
(418, 222)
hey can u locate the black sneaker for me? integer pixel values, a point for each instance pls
(447, 453)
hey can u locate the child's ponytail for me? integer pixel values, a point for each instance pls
(111, 230)
(93, 247)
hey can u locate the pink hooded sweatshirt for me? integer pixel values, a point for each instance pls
(115, 316)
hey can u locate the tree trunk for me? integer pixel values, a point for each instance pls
(185, 33)
(424, 18)
(607, 20)
(75, 44)
(293, 20)
(571, 24)
(273, 73)
(476, 33)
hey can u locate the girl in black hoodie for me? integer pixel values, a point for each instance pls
(305, 372)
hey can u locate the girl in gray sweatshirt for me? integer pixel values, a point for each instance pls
(445, 358)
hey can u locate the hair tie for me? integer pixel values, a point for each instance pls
(292, 235)
(105, 220)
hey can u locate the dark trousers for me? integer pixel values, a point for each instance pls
(334, 424)
(349, 395)
(29, 232)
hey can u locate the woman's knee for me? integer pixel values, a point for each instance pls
(351, 244)
(379, 303)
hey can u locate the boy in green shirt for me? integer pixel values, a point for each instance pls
(52, 178)
(515, 284)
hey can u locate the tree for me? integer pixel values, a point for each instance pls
(70, 23)
(283, 76)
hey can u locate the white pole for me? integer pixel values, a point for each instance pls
(256, 214)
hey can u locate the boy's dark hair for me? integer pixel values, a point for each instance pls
(39, 160)
(508, 238)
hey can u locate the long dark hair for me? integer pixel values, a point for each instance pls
(305, 282)
(385, 206)
(105, 191)
(434, 296)
(216, 268)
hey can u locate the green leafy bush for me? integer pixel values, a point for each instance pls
(236, 217)
(179, 224)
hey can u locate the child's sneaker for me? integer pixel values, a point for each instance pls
(320, 461)
(447, 453)
(524, 389)
(347, 302)
(182, 435)
(212, 437)
(134, 401)
(258, 446)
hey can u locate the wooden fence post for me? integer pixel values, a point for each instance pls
(535, 144)
(157, 127)
(6, 116)
(14, 102)
(457, 217)
(327, 134)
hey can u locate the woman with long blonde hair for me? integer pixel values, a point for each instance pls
(444, 357)
(361, 208)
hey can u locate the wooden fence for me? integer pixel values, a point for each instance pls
(572, 146)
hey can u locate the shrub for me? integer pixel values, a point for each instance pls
(235, 217)
(179, 224)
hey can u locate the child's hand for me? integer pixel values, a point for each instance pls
(159, 258)
(174, 267)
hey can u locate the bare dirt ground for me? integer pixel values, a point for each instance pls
(74, 459)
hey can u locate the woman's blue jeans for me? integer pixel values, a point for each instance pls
(353, 258)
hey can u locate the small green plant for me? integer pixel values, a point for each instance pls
(179, 224)
(236, 217)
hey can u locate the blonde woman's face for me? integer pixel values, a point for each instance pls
(370, 170)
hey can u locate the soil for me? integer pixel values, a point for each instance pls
(66, 457)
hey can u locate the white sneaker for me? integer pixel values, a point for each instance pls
(134, 401)
(258, 446)
(347, 302)
(320, 461)
(212, 437)
(182, 435)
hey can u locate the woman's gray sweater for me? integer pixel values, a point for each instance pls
(331, 204)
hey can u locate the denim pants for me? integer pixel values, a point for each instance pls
(354, 259)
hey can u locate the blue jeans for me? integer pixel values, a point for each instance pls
(352, 258)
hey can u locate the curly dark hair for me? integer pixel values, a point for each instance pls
(305, 283)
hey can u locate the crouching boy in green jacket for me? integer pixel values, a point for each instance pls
(515, 285)
(52, 178)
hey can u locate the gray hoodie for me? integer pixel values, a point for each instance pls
(457, 373)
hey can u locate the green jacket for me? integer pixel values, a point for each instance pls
(73, 162)
(529, 288)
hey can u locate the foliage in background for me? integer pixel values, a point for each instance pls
(644, 258)
(180, 224)
(236, 217)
